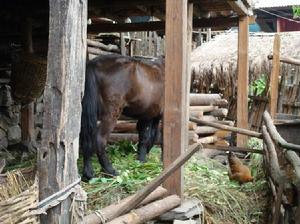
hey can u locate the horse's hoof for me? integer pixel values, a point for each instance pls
(111, 173)
(86, 176)
(142, 160)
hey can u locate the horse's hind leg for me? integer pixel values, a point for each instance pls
(154, 132)
(108, 122)
(144, 128)
(88, 171)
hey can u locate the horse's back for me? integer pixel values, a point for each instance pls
(137, 84)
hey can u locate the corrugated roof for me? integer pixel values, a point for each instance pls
(274, 3)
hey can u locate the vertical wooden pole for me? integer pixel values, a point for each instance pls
(175, 112)
(122, 44)
(188, 66)
(274, 79)
(27, 116)
(27, 124)
(58, 154)
(242, 85)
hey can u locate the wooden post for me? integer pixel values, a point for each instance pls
(274, 79)
(175, 112)
(188, 68)
(58, 154)
(27, 115)
(242, 85)
(27, 124)
(122, 44)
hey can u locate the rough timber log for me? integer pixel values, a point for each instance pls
(130, 127)
(221, 112)
(204, 130)
(208, 139)
(97, 51)
(193, 137)
(197, 114)
(203, 108)
(148, 212)
(58, 154)
(198, 99)
(109, 47)
(107, 212)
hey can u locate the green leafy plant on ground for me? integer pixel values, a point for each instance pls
(206, 179)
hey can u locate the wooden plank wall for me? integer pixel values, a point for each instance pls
(175, 112)
(57, 157)
(147, 44)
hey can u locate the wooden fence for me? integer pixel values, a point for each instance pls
(282, 164)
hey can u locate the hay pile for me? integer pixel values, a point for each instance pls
(14, 183)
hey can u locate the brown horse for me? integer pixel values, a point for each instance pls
(116, 84)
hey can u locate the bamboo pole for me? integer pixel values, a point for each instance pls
(232, 148)
(288, 60)
(228, 128)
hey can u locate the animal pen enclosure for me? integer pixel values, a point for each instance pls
(216, 71)
(58, 153)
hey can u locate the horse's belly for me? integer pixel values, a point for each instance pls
(142, 112)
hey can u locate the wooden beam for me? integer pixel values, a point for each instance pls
(288, 60)
(175, 112)
(240, 8)
(224, 22)
(274, 79)
(107, 4)
(58, 154)
(242, 82)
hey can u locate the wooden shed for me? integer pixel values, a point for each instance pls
(58, 154)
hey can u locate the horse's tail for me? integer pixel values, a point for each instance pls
(90, 110)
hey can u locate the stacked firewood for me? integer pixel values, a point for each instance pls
(211, 108)
(95, 47)
(206, 107)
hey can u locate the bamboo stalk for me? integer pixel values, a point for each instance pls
(232, 149)
(228, 128)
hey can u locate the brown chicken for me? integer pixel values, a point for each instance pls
(238, 171)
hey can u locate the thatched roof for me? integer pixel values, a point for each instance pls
(215, 62)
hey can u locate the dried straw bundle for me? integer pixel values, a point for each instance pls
(17, 197)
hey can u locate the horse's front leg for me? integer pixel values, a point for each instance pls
(144, 128)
